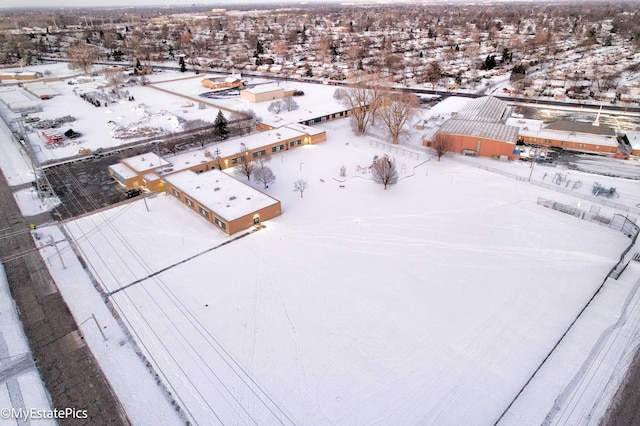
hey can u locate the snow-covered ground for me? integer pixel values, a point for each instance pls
(163, 107)
(13, 159)
(429, 303)
(31, 204)
(21, 388)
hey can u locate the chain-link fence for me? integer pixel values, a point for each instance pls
(554, 187)
(621, 223)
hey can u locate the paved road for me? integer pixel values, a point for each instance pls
(69, 370)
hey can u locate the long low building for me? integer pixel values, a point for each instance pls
(222, 200)
(480, 138)
(569, 135)
(479, 129)
(233, 206)
(142, 169)
(484, 127)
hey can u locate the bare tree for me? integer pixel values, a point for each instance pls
(265, 175)
(384, 172)
(276, 107)
(397, 108)
(245, 166)
(281, 49)
(115, 79)
(442, 144)
(300, 185)
(82, 56)
(290, 104)
(362, 99)
(254, 118)
(433, 74)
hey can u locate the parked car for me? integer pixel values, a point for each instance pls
(133, 193)
(621, 155)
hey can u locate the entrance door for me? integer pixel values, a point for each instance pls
(256, 220)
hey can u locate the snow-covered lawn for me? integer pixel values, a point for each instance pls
(429, 303)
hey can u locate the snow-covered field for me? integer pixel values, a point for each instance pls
(429, 303)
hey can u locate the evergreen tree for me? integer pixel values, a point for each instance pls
(221, 126)
(490, 62)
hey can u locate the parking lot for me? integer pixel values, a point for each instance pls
(85, 186)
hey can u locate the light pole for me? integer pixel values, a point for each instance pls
(533, 163)
(26, 145)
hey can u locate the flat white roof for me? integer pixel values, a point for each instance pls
(14, 95)
(634, 138)
(315, 111)
(150, 177)
(123, 171)
(279, 122)
(571, 137)
(41, 89)
(525, 124)
(311, 131)
(228, 148)
(220, 193)
(260, 139)
(264, 88)
(146, 161)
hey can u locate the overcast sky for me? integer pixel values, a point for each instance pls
(102, 3)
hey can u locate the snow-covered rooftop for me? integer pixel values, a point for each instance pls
(123, 171)
(545, 133)
(264, 88)
(227, 197)
(41, 90)
(495, 131)
(486, 109)
(311, 131)
(581, 127)
(634, 138)
(451, 104)
(144, 162)
(525, 123)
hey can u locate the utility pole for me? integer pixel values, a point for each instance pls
(26, 145)
(54, 244)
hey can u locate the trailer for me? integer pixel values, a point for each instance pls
(52, 136)
(601, 190)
